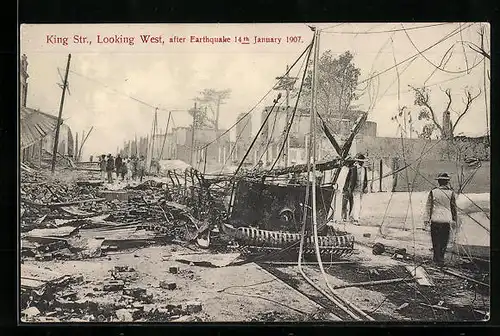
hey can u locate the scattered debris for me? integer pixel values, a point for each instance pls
(124, 315)
(373, 283)
(166, 284)
(193, 307)
(209, 260)
(113, 285)
(30, 312)
(434, 306)
(404, 305)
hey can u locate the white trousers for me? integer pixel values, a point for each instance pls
(356, 209)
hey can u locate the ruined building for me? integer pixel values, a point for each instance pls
(37, 129)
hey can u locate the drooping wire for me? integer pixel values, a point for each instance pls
(434, 65)
(446, 37)
(257, 104)
(368, 32)
(270, 135)
(292, 118)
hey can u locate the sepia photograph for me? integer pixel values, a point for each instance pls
(285, 172)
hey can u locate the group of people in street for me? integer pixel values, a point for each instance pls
(126, 168)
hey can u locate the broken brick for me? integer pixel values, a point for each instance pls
(168, 285)
(30, 312)
(124, 315)
(113, 285)
(193, 307)
(136, 292)
(44, 257)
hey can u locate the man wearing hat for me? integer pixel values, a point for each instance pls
(440, 214)
(356, 185)
(110, 167)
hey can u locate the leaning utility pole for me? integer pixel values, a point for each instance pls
(165, 136)
(286, 83)
(59, 120)
(155, 123)
(83, 143)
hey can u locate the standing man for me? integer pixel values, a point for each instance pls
(135, 167)
(441, 214)
(110, 167)
(347, 196)
(118, 165)
(356, 185)
(130, 168)
(142, 167)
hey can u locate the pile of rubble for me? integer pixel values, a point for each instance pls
(117, 299)
(63, 220)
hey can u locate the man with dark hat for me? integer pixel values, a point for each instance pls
(441, 214)
(347, 200)
(356, 185)
(118, 165)
(110, 167)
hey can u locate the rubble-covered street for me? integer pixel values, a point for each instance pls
(254, 173)
(95, 252)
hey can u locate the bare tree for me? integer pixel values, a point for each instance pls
(428, 113)
(213, 99)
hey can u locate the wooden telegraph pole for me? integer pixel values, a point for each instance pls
(166, 133)
(59, 120)
(286, 83)
(155, 124)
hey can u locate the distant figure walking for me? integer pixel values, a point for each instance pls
(135, 167)
(118, 165)
(142, 167)
(130, 168)
(258, 168)
(110, 167)
(102, 165)
(356, 185)
(124, 169)
(441, 214)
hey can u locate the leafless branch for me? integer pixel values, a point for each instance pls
(468, 103)
(448, 93)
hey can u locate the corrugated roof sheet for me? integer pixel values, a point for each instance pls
(35, 125)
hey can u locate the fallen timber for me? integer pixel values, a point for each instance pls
(62, 204)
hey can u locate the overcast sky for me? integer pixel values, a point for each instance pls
(169, 76)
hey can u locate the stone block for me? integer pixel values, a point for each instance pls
(113, 285)
(193, 307)
(167, 284)
(111, 195)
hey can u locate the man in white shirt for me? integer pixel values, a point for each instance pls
(441, 215)
(356, 185)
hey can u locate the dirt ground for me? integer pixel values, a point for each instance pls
(248, 293)
(232, 294)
